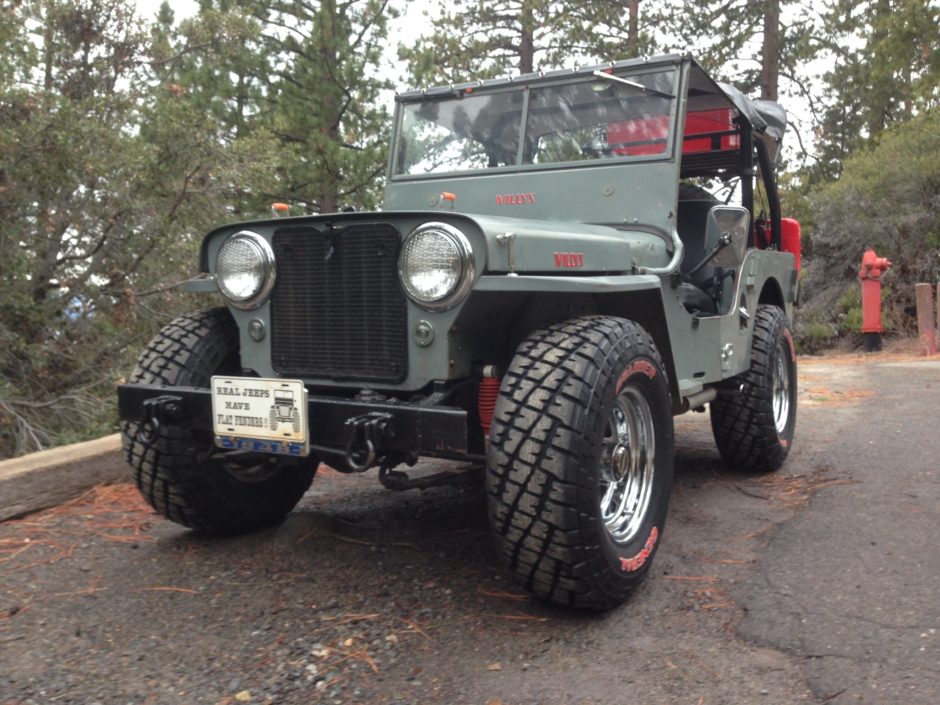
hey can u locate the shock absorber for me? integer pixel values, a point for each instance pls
(487, 393)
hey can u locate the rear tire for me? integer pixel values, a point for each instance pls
(175, 472)
(580, 460)
(753, 424)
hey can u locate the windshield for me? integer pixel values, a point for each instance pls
(460, 134)
(600, 116)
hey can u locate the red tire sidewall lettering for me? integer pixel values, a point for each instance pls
(640, 366)
(634, 558)
(634, 563)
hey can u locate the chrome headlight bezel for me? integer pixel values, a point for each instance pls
(464, 253)
(262, 249)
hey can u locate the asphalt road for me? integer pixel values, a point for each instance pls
(817, 584)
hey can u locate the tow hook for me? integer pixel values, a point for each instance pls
(366, 438)
(157, 411)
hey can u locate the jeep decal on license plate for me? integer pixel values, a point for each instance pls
(260, 415)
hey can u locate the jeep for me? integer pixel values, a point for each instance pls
(550, 281)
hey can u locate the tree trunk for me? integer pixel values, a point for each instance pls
(633, 30)
(330, 102)
(882, 81)
(241, 103)
(49, 247)
(770, 51)
(526, 39)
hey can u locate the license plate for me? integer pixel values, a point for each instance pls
(260, 415)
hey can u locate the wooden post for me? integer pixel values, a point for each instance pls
(925, 318)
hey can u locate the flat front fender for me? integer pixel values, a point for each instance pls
(638, 298)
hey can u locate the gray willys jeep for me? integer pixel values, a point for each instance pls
(547, 285)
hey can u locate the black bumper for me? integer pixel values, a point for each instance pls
(424, 430)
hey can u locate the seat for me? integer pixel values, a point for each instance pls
(691, 220)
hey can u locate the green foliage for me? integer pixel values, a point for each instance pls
(849, 308)
(218, 60)
(299, 77)
(813, 337)
(886, 198)
(472, 39)
(107, 179)
(121, 144)
(328, 111)
(66, 209)
(850, 312)
(746, 42)
(889, 76)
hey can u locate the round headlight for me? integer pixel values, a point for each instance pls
(436, 265)
(244, 269)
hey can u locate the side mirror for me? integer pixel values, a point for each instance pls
(727, 229)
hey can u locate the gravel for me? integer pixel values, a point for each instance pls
(369, 596)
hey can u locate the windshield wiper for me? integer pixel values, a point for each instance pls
(632, 84)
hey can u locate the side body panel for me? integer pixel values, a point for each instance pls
(713, 348)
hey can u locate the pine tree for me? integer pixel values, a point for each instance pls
(326, 102)
(69, 72)
(107, 178)
(219, 59)
(886, 69)
(302, 73)
(750, 44)
(471, 39)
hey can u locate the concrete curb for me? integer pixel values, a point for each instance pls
(50, 477)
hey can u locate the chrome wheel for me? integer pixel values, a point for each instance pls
(754, 424)
(780, 387)
(627, 465)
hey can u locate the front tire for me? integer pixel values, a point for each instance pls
(753, 424)
(580, 460)
(181, 473)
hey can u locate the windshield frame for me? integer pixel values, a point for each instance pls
(633, 70)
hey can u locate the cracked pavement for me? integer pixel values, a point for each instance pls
(816, 584)
(851, 585)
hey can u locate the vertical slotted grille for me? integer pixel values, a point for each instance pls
(338, 310)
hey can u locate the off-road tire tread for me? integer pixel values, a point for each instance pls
(539, 500)
(174, 473)
(743, 422)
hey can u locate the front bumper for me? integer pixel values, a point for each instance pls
(439, 431)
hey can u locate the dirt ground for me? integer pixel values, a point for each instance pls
(368, 596)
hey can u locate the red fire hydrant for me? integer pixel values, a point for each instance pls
(873, 268)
